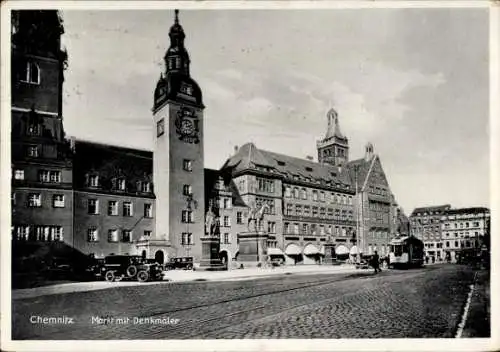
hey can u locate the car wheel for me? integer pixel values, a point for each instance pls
(110, 276)
(189, 267)
(131, 271)
(142, 276)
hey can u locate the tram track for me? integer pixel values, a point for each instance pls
(186, 329)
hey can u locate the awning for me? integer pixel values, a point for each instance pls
(311, 249)
(293, 249)
(354, 250)
(341, 250)
(275, 251)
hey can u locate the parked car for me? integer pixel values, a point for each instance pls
(185, 263)
(130, 267)
(59, 269)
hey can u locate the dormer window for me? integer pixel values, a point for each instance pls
(30, 73)
(145, 187)
(94, 181)
(121, 184)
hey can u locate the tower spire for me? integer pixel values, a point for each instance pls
(176, 20)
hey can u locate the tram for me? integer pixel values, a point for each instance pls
(406, 252)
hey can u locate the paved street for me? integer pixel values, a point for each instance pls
(424, 302)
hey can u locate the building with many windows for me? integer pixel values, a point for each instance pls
(464, 228)
(425, 224)
(102, 199)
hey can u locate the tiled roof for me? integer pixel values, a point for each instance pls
(110, 162)
(471, 210)
(362, 167)
(438, 208)
(250, 157)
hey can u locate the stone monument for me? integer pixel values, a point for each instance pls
(210, 243)
(253, 244)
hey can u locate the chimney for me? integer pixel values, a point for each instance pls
(310, 158)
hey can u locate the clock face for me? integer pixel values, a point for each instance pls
(187, 127)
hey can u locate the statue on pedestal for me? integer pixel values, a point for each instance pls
(209, 222)
(255, 216)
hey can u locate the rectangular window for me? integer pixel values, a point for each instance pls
(187, 239)
(239, 217)
(94, 181)
(127, 236)
(121, 184)
(147, 233)
(43, 176)
(305, 229)
(112, 207)
(21, 232)
(315, 195)
(58, 201)
(307, 210)
(288, 192)
(55, 176)
(322, 212)
(303, 193)
(322, 230)
(93, 206)
(227, 203)
(286, 228)
(187, 216)
(298, 210)
(127, 209)
(57, 233)
(92, 234)
(227, 221)
(265, 185)
(296, 193)
(113, 235)
(32, 151)
(187, 190)
(148, 210)
(296, 229)
(187, 165)
(322, 196)
(145, 187)
(271, 227)
(314, 211)
(35, 200)
(160, 128)
(226, 238)
(288, 209)
(19, 174)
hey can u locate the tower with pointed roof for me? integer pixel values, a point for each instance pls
(334, 148)
(178, 156)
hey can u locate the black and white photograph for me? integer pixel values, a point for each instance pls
(236, 172)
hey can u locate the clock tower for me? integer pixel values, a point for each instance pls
(178, 164)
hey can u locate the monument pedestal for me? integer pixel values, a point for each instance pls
(252, 248)
(330, 256)
(210, 248)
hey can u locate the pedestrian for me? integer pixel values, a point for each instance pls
(376, 263)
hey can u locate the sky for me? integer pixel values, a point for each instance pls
(414, 82)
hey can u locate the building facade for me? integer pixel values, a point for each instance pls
(465, 228)
(102, 199)
(425, 224)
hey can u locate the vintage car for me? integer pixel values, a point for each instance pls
(130, 267)
(185, 263)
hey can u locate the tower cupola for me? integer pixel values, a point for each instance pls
(176, 84)
(334, 148)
